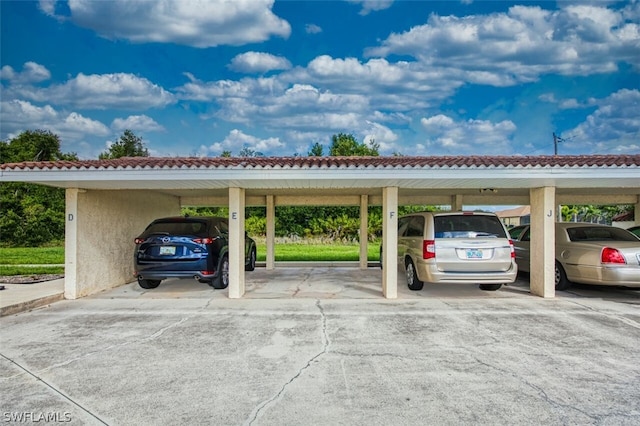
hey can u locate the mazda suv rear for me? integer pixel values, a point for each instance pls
(187, 247)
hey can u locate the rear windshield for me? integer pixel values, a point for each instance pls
(468, 226)
(600, 233)
(187, 227)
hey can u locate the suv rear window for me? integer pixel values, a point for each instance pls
(178, 228)
(187, 227)
(468, 226)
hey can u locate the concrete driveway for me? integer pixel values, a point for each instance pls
(321, 346)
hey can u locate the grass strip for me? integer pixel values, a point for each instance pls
(8, 270)
(31, 255)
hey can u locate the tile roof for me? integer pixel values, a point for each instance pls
(433, 162)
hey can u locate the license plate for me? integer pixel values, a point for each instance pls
(167, 250)
(474, 254)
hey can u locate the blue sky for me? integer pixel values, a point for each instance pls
(196, 78)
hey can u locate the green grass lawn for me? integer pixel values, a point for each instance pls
(20, 260)
(303, 251)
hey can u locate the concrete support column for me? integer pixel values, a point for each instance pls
(71, 244)
(99, 232)
(271, 232)
(236, 242)
(543, 218)
(390, 242)
(456, 202)
(364, 231)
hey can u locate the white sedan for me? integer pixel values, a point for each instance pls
(586, 253)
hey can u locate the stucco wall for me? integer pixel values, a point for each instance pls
(101, 226)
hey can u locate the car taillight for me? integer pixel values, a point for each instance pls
(611, 255)
(428, 249)
(139, 240)
(513, 250)
(206, 240)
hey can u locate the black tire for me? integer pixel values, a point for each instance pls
(412, 278)
(222, 280)
(490, 287)
(562, 283)
(381, 257)
(148, 284)
(252, 261)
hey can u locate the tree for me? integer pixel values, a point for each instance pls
(129, 145)
(31, 214)
(591, 213)
(317, 150)
(33, 145)
(346, 145)
(248, 152)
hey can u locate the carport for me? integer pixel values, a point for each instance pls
(108, 202)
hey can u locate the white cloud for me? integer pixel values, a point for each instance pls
(503, 49)
(312, 29)
(236, 140)
(382, 135)
(48, 7)
(372, 5)
(105, 91)
(400, 86)
(193, 23)
(228, 89)
(613, 128)
(18, 116)
(467, 137)
(31, 73)
(258, 62)
(136, 122)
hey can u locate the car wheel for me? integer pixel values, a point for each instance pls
(222, 281)
(148, 284)
(252, 261)
(412, 278)
(380, 257)
(490, 287)
(562, 283)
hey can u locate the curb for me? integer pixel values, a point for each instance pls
(31, 304)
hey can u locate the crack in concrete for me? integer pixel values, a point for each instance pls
(616, 317)
(266, 404)
(53, 388)
(539, 390)
(304, 280)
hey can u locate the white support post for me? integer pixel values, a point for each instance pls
(542, 248)
(236, 242)
(390, 242)
(71, 244)
(271, 232)
(364, 231)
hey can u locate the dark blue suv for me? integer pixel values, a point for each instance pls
(185, 247)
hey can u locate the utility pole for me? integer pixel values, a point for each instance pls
(556, 140)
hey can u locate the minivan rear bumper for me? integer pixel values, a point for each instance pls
(428, 272)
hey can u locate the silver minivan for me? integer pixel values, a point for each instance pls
(455, 248)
